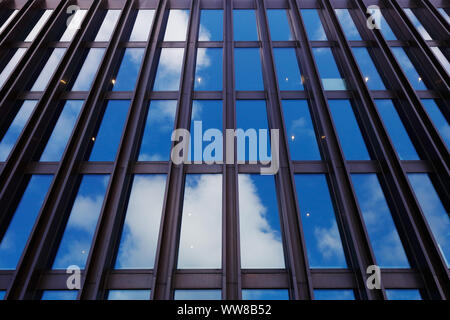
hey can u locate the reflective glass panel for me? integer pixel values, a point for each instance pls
(259, 221)
(108, 136)
(177, 25)
(348, 130)
(62, 131)
(2, 294)
(408, 68)
(438, 119)
(425, 35)
(328, 70)
(74, 25)
(142, 25)
(197, 295)
(201, 226)
(300, 130)
(288, 69)
(208, 74)
(129, 69)
(108, 25)
(442, 59)
(156, 141)
(169, 70)
(248, 69)
(403, 294)
(368, 69)
(397, 131)
(87, 72)
(265, 294)
(325, 294)
(444, 14)
(12, 63)
(348, 25)
(434, 211)
(313, 25)
(211, 25)
(16, 236)
(279, 25)
(386, 243)
(76, 241)
(59, 295)
(139, 240)
(38, 26)
(7, 21)
(15, 129)
(385, 28)
(49, 68)
(321, 232)
(244, 22)
(128, 294)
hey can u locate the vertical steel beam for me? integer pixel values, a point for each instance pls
(231, 256)
(423, 252)
(166, 259)
(113, 212)
(355, 239)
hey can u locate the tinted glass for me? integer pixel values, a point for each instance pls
(129, 69)
(142, 25)
(177, 25)
(108, 136)
(288, 70)
(328, 70)
(417, 24)
(321, 294)
(438, 119)
(87, 72)
(244, 22)
(16, 236)
(47, 71)
(108, 25)
(211, 25)
(12, 63)
(279, 25)
(403, 294)
(6, 23)
(169, 70)
(313, 25)
(128, 294)
(76, 241)
(260, 233)
(197, 295)
(248, 69)
(265, 294)
(201, 227)
(62, 131)
(38, 26)
(59, 295)
(208, 74)
(442, 59)
(77, 18)
(348, 25)
(300, 130)
(368, 69)
(323, 240)
(408, 68)
(139, 240)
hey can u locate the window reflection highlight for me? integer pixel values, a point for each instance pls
(368, 69)
(288, 69)
(211, 25)
(348, 25)
(12, 63)
(201, 227)
(438, 119)
(38, 26)
(72, 28)
(87, 72)
(265, 294)
(128, 294)
(129, 69)
(197, 295)
(169, 70)
(142, 25)
(313, 25)
(279, 25)
(47, 71)
(260, 233)
(208, 74)
(408, 68)
(328, 69)
(108, 25)
(177, 25)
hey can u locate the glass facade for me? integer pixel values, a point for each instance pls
(88, 169)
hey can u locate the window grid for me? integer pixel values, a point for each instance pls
(20, 165)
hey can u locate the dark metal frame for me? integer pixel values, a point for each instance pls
(429, 272)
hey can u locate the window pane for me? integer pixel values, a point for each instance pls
(425, 35)
(403, 294)
(328, 70)
(142, 25)
(300, 130)
(156, 141)
(38, 26)
(108, 137)
(197, 295)
(108, 25)
(76, 241)
(260, 233)
(47, 71)
(348, 25)
(6, 23)
(211, 25)
(201, 227)
(129, 69)
(73, 27)
(59, 295)
(386, 243)
(368, 69)
(265, 294)
(2, 294)
(321, 294)
(139, 240)
(279, 25)
(177, 25)
(288, 70)
(386, 29)
(250, 147)
(248, 69)
(128, 294)
(208, 74)
(347, 128)
(442, 59)
(323, 241)
(206, 131)
(15, 129)
(169, 70)
(444, 14)
(438, 118)
(62, 131)
(244, 22)
(87, 72)
(9, 68)
(434, 211)
(16, 236)
(313, 25)
(411, 73)
(397, 131)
